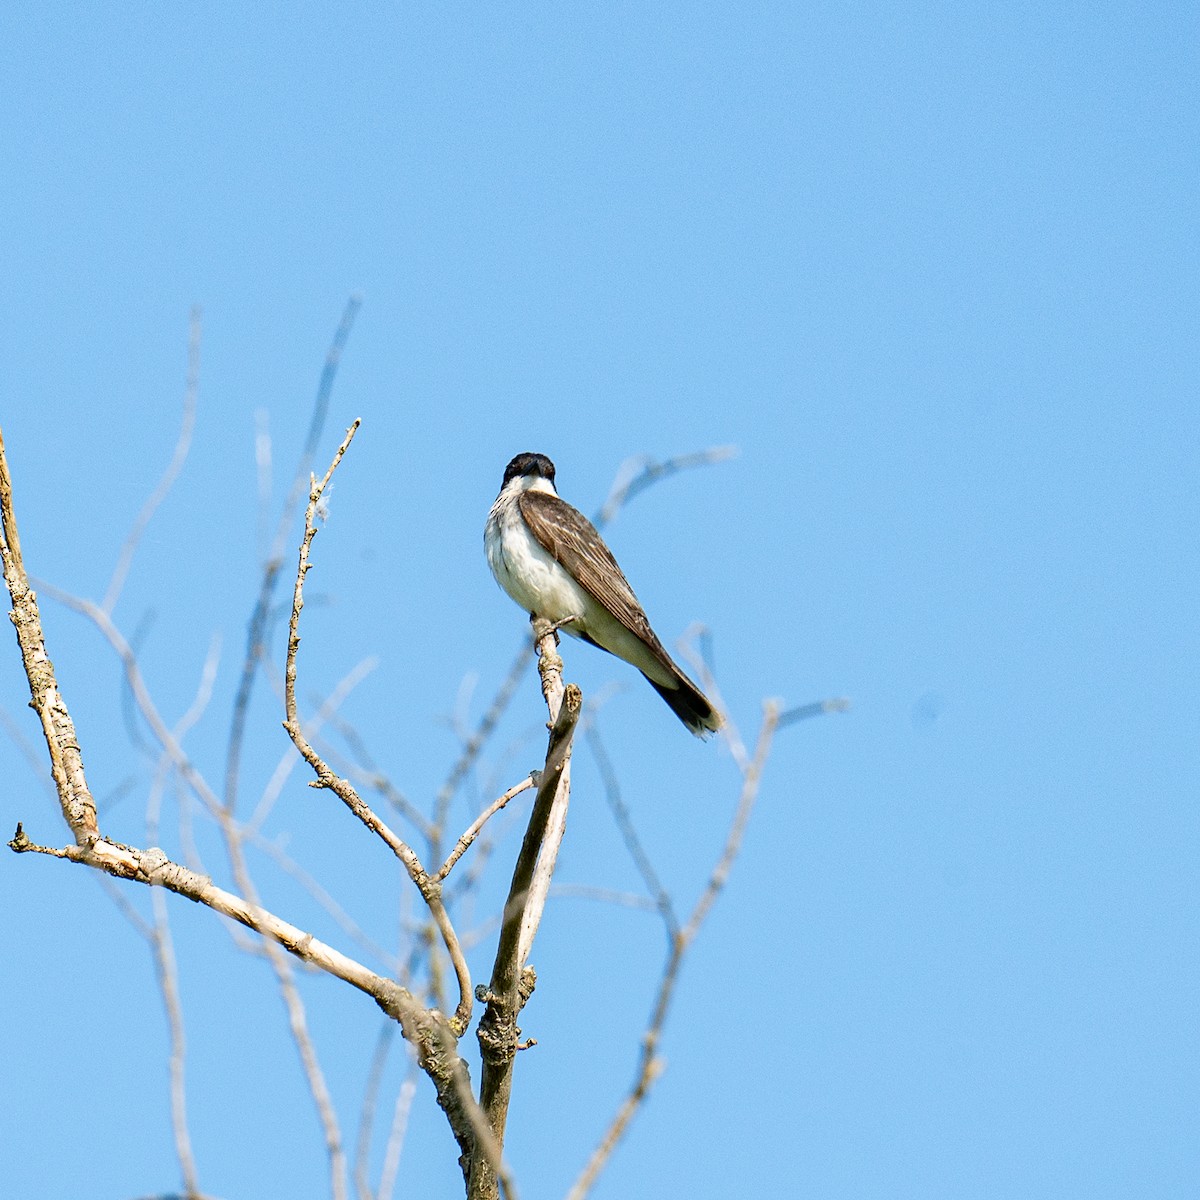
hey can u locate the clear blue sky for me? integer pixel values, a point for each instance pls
(933, 269)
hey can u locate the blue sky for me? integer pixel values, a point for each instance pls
(932, 268)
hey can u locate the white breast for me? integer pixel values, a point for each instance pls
(525, 570)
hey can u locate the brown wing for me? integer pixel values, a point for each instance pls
(571, 539)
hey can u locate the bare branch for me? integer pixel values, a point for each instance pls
(287, 763)
(141, 695)
(66, 760)
(178, 458)
(298, 1025)
(512, 981)
(612, 793)
(585, 891)
(395, 1142)
(321, 896)
(487, 724)
(741, 817)
(256, 641)
(161, 944)
(477, 825)
(650, 1065)
(260, 617)
(428, 1031)
(637, 474)
(429, 887)
(802, 712)
(366, 1118)
(153, 868)
(167, 973)
(550, 672)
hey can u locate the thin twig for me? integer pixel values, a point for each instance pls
(259, 618)
(28, 751)
(729, 730)
(802, 712)
(288, 761)
(395, 1142)
(262, 473)
(637, 474)
(161, 943)
(363, 769)
(741, 817)
(141, 695)
(612, 793)
(344, 921)
(429, 887)
(167, 972)
(200, 702)
(650, 1065)
(487, 724)
(366, 1118)
(141, 631)
(178, 458)
(121, 902)
(468, 880)
(477, 825)
(587, 891)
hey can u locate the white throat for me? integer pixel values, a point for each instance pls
(527, 483)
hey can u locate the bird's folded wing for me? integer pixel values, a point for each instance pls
(571, 539)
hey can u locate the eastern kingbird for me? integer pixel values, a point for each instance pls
(549, 558)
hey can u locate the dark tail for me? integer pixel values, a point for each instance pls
(690, 705)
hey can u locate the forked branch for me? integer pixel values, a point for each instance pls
(433, 1036)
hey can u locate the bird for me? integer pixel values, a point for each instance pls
(550, 559)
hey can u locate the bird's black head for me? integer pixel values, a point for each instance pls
(529, 464)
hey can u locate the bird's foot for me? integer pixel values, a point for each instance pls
(543, 628)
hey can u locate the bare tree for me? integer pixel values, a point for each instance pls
(427, 995)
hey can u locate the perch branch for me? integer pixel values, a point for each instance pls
(550, 672)
(512, 981)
